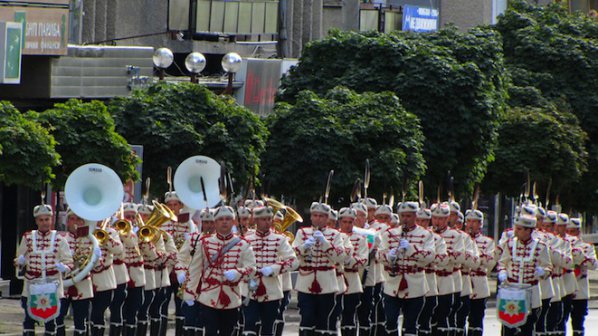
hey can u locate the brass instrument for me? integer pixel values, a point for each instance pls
(122, 225)
(101, 234)
(149, 231)
(290, 216)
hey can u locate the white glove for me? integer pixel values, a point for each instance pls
(190, 302)
(135, 229)
(502, 276)
(392, 254)
(61, 267)
(232, 275)
(181, 277)
(187, 236)
(540, 272)
(404, 244)
(21, 260)
(319, 236)
(309, 243)
(510, 234)
(266, 270)
(97, 251)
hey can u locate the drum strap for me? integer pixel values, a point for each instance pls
(44, 251)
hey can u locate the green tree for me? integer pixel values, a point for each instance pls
(176, 121)
(27, 150)
(339, 132)
(455, 83)
(85, 133)
(548, 144)
(557, 53)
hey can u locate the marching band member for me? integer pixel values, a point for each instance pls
(471, 262)
(287, 286)
(568, 277)
(151, 260)
(423, 218)
(79, 295)
(404, 251)
(135, 267)
(119, 294)
(250, 204)
(46, 257)
(179, 230)
(104, 280)
(356, 259)
(546, 287)
(319, 248)
(368, 278)
(380, 223)
(480, 291)
(244, 219)
(340, 276)
(558, 259)
(457, 276)
(274, 256)
(221, 262)
(445, 273)
(584, 256)
(524, 261)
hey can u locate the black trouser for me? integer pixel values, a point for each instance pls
(315, 311)
(425, 317)
(579, 312)
(462, 313)
(148, 299)
(264, 312)
(349, 314)
(155, 309)
(525, 330)
(567, 302)
(338, 310)
(555, 314)
(452, 318)
(411, 309)
(29, 323)
(116, 306)
(178, 302)
(192, 316)
(99, 303)
(440, 321)
(284, 303)
(80, 314)
(166, 302)
(365, 308)
(476, 316)
(541, 323)
(219, 321)
(378, 316)
(132, 306)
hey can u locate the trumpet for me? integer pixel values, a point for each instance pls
(101, 234)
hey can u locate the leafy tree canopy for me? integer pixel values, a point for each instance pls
(339, 132)
(28, 153)
(556, 53)
(85, 133)
(455, 83)
(176, 121)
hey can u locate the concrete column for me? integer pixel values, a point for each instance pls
(307, 21)
(88, 30)
(285, 28)
(317, 9)
(111, 15)
(351, 15)
(100, 24)
(297, 32)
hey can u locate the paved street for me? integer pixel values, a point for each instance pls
(11, 314)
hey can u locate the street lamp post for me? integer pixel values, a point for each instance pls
(195, 62)
(231, 63)
(162, 58)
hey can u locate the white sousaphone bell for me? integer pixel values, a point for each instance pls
(188, 178)
(94, 192)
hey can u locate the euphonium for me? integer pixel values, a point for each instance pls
(149, 231)
(290, 216)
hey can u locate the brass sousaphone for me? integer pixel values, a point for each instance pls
(93, 192)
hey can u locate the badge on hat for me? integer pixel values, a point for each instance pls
(526, 220)
(440, 210)
(475, 215)
(243, 212)
(408, 207)
(206, 215)
(347, 212)
(262, 212)
(224, 212)
(319, 207)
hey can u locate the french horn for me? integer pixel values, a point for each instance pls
(93, 192)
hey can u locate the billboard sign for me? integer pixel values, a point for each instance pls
(420, 19)
(11, 35)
